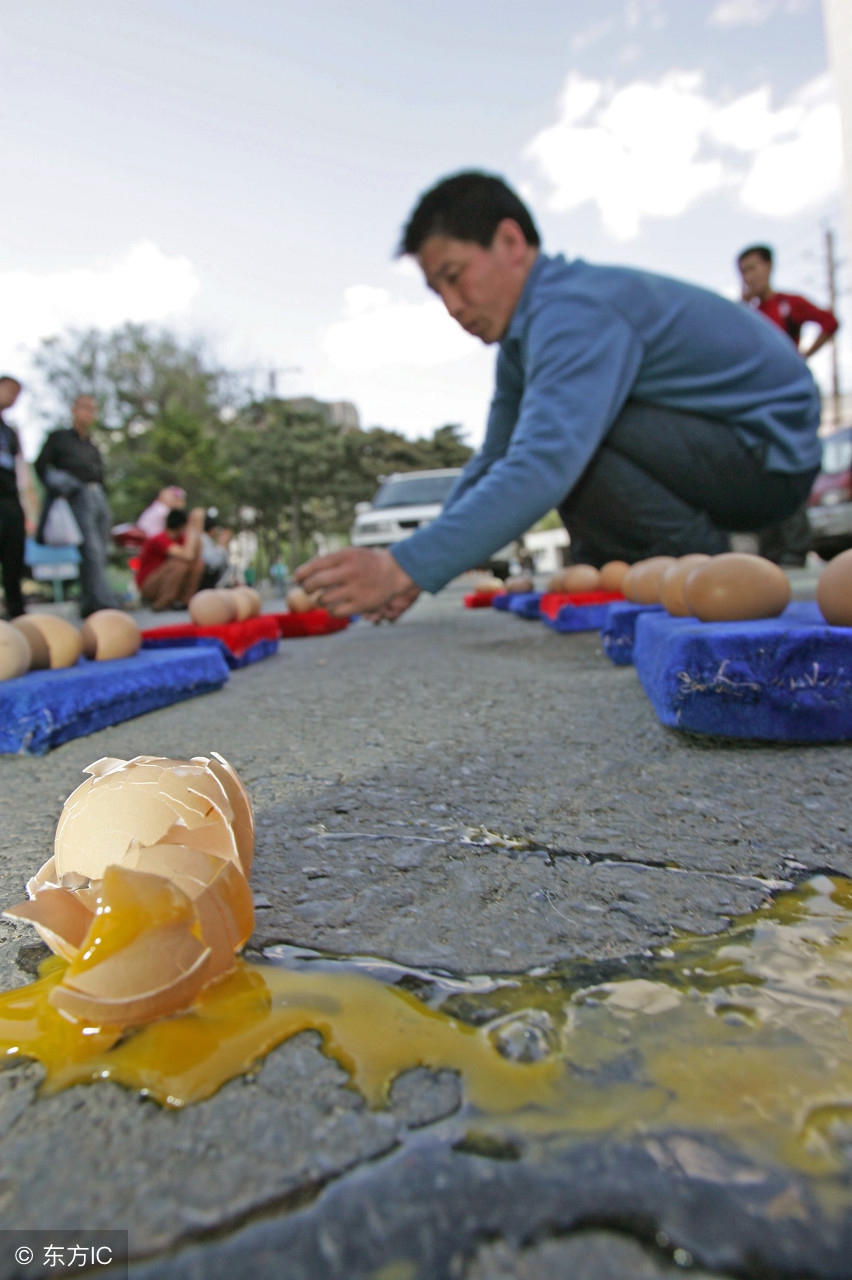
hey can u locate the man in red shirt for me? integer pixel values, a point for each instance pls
(170, 564)
(787, 542)
(788, 310)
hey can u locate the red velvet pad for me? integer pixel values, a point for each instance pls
(552, 601)
(480, 599)
(237, 636)
(313, 622)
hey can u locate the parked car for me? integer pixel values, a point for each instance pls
(830, 501)
(407, 501)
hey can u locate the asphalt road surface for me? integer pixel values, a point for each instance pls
(463, 793)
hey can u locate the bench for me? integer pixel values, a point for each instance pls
(55, 565)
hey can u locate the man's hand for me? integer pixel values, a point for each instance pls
(359, 580)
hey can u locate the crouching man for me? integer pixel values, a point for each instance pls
(170, 564)
(655, 415)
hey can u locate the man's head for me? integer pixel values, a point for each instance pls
(755, 264)
(176, 520)
(475, 241)
(84, 412)
(10, 389)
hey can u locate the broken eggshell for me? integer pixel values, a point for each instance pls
(147, 895)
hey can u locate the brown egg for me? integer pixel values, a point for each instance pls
(575, 578)
(255, 600)
(14, 652)
(612, 575)
(212, 608)
(242, 602)
(519, 582)
(671, 587)
(641, 583)
(298, 600)
(734, 587)
(834, 591)
(53, 641)
(109, 634)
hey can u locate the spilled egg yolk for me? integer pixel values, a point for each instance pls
(128, 904)
(746, 1034)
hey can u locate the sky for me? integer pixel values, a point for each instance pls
(240, 170)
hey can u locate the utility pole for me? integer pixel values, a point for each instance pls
(831, 272)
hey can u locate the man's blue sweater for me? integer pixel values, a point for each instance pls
(582, 340)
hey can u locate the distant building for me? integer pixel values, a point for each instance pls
(340, 413)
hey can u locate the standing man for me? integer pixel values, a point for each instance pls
(70, 466)
(790, 311)
(655, 415)
(787, 541)
(17, 502)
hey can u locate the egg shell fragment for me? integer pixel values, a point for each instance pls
(108, 634)
(834, 591)
(735, 587)
(142, 801)
(212, 608)
(641, 584)
(54, 642)
(61, 919)
(671, 584)
(15, 652)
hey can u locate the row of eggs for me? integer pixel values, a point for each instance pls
(730, 587)
(38, 641)
(220, 605)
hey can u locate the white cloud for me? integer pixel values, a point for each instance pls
(742, 13)
(378, 331)
(651, 150)
(751, 13)
(144, 285)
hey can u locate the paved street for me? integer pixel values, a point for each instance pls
(468, 793)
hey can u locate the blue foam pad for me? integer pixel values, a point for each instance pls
(777, 679)
(254, 652)
(522, 603)
(577, 617)
(619, 630)
(44, 708)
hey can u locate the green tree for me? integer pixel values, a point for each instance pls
(161, 403)
(287, 469)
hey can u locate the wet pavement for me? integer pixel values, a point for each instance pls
(463, 794)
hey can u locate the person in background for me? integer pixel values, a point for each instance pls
(153, 519)
(170, 564)
(214, 552)
(70, 466)
(17, 502)
(790, 311)
(786, 542)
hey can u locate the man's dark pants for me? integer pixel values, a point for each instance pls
(667, 483)
(12, 554)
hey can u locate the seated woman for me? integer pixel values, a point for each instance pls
(170, 564)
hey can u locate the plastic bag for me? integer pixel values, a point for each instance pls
(60, 528)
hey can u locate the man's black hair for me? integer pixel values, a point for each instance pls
(466, 206)
(211, 522)
(176, 518)
(762, 250)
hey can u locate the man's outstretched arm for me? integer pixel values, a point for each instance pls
(359, 580)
